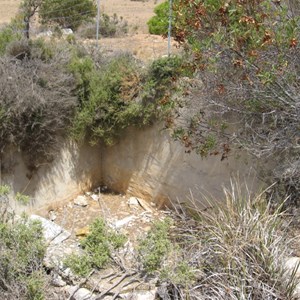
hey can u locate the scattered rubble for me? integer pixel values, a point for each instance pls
(68, 223)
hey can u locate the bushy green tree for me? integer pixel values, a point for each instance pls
(159, 23)
(67, 14)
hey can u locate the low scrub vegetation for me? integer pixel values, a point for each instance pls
(37, 100)
(154, 249)
(22, 249)
(159, 23)
(119, 95)
(110, 26)
(98, 247)
(232, 250)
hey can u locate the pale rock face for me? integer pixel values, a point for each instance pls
(74, 170)
(148, 164)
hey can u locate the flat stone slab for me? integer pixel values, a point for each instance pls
(53, 233)
(81, 293)
(81, 201)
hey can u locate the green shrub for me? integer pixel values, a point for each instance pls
(22, 249)
(41, 49)
(166, 68)
(180, 273)
(160, 22)
(66, 15)
(4, 190)
(23, 199)
(109, 100)
(111, 26)
(98, 245)
(7, 35)
(154, 248)
(81, 265)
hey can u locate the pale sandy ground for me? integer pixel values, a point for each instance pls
(145, 47)
(8, 8)
(137, 13)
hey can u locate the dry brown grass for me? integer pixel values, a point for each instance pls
(135, 12)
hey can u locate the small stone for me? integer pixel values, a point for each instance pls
(123, 222)
(67, 273)
(145, 205)
(141, 295)
(52, 215)
(57, 281)
(67, 31)
(104, 188)
(82, 232)
(152, 204)
(133, 201)
(88, 193)
(81, 294)
(97, 190)
(81, 201)
(293, 264)
(95, 197)
(147, 228)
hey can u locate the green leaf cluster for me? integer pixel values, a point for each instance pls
(159, 23)
(154, 248)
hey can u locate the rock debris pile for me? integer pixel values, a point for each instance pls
(65, 225)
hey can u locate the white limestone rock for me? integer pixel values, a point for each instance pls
(53, 233)
(81, 201)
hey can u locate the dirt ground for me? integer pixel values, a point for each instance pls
(137, 13)
(133, 218)
(8, 8)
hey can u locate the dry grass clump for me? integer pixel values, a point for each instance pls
(110, 26)
(232, 250)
